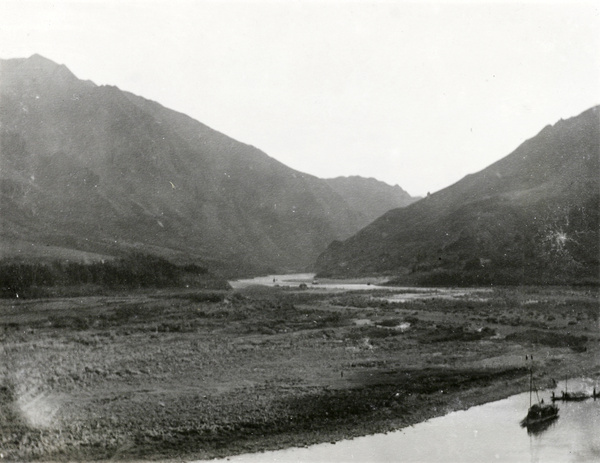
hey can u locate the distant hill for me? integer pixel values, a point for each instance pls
(370, 197)
(531, 217)
(92, 171)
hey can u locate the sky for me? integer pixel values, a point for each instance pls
(417, 94)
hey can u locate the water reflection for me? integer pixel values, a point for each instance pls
(538, 428)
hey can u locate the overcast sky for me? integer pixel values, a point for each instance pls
(416, 94)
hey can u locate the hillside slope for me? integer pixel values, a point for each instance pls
(369, 197)
(100, 171)
(530, 217)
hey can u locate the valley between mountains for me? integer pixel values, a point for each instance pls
(92, 172)
(123, 224)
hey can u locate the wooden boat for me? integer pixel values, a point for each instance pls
(539, 412)
(572, 396)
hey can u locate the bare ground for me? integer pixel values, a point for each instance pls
(195, 375)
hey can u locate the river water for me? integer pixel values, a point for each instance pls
(294, 280)
(405, 293)
(486, 433)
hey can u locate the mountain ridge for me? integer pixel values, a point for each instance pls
(542, 183)
(104, 171)
(373, 197)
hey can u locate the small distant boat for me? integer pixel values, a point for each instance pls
(538, 413)
(576, 396)
(571, 396)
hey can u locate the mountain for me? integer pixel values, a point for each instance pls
(91, 171)
(531, 217)
(370, 197)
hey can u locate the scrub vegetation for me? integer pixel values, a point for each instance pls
(181, 374)
(38, 279)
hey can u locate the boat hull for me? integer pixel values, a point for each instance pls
(537, 421)
(571, 397)
(539, 413)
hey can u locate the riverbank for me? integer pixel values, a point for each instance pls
(199, 375)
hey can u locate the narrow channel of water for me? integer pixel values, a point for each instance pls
(485, 433)
(271, 280)
(407, 292)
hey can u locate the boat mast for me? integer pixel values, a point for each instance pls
(530, 358)
(530, 383)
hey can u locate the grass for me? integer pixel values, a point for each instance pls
(164, 374)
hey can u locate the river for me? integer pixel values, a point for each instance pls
(405, 292)
(485, 433)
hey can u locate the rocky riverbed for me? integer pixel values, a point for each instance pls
(188, 375)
